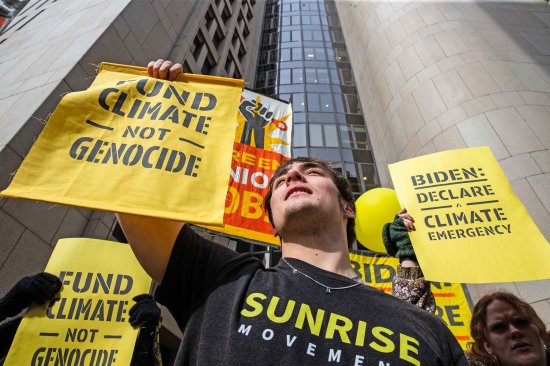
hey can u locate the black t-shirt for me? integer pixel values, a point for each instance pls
(233, 311)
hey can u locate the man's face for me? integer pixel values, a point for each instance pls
(304, 194)
(512, 337)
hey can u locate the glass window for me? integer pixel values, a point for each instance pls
(315, 135)
(284, 77)
(298, 102)
(325, 153)
(330, 54)
(298, 117)
(299, 152)
(346, 136)
(340, 55)
(313, 102)
(367, 174)
(273, 56)
(285, 97)
(361, 137)
(320, 54)
(317, 36)
(295, 20)
(296, 36)
(346, 76)
(308, 35)
(285, 54)
(354, 136)
(286, 21)
(309, 53)
(339, 103)
(306, 19)
(285, 36)
(334, 76)
(299, 135)
(322, 76)
(331, 136)
(326, 103)
(351, 174)
(297, 76)
(333, 20)
(352, 103)
(337, 36)
(296, 54)
(311, 75)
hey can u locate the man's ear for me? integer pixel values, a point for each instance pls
(349, 210)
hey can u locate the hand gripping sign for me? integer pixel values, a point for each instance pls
(135, 144)
(87, 323)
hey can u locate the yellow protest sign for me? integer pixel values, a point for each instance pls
(451, 302)
(262, 143)
(470, 226)
(88, 323)
(139, 145)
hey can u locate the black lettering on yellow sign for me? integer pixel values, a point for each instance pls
(470, 232)
(109, 283)
(149, 157)
(450, 194)
(375, 273)
(81, 335)
(87, 309)
(73, 356)
(450, 176)
(461, 218)
(117, 102)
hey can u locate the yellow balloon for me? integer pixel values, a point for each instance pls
(374, 208)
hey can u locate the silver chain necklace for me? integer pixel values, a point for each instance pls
(328, 288)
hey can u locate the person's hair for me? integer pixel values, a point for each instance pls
(478, 324)
(341, 182)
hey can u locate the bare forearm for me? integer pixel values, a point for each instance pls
(151, 240)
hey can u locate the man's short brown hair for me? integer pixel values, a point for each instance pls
(341, 182)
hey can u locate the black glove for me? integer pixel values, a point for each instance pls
(397, 241)
(39, 288)
(145, 312)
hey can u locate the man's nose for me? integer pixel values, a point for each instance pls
(294, 175)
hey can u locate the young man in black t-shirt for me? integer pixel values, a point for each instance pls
(310, 309)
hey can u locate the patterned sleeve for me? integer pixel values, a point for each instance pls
(409, 285)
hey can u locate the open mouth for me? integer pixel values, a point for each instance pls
(296, 189)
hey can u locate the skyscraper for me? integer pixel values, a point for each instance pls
(303, 58)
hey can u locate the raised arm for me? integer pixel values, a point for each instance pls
(152, 239)
(409, 283)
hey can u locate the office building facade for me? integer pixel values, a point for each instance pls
(440, 75)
